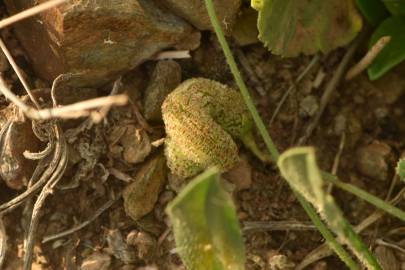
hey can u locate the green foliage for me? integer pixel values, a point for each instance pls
(298, 166)
(394, 52)
(206, 227)
(274, 152)
(291, 27)
(396, 7)
(401, 168)
(373, 10)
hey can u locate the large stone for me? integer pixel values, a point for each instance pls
(165, 78)
(97, 39)
(194, 11)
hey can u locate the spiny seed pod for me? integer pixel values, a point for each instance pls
(202, 117)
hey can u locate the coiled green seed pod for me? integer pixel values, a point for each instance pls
(202, 118)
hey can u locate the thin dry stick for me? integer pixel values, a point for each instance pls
(366, 61)
(314, 60)
(39, 177)
(3, 242)
(102, 113)
(76, 110)
(173, 55)
(30, 12)
(96, 214)
(278, 226)
(336, 161)
(383, 242)
(18, 72)
(324, 251)
(330, 88)
(45, 192)
(140, 118)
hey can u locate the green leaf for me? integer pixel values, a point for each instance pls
(205, 225)
(298, 166)
(401, 168)
(396, 7)
(373, 10)
(394, 52)
(291, 27)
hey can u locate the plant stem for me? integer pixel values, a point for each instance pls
(330, 238)
(239, 81)
(340, 251)
(379, 203)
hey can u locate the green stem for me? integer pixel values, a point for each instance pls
(239, 81)
(377, 202)
(250, 143)
(330, 239)
(339, 250)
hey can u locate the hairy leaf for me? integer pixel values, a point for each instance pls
(291, 27)
(394, 52)
(206, 227)
(401, 168)
(396, 7)
(373, 10)
(299, 168)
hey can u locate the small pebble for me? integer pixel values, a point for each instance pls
(96, 261)
(372, 160)
(308, 106)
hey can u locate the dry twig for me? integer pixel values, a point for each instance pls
(56, 175)
(278, 226)
(330, 88)
(366, 61)
(387, 243)
(293, 86)
(76, 110)
(324, 251)
(173, 55)
(18, 72)
(3, 242)
(96, 214)
(30, 12)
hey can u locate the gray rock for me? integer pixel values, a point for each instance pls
(386, 258)
(4, 65)
(372, 160)
(165, 78)
(141, 195)
(194, 11)
(96, 261)
(309, 106)
(97, 39)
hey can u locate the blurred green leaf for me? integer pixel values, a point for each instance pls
(396, 7)
(373, 10)
(394, 52)
(401, 168)
(206, 227)
(291, 27)
(298, 166)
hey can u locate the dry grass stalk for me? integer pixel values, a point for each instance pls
(76, 110)
(366, 61)
(173, 55)
(30, 12)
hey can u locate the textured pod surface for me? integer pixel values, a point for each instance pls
(202, 117)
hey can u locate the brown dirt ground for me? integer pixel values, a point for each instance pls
(363, 103)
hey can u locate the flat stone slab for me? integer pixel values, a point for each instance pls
(97, 39)
(194, 11)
